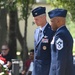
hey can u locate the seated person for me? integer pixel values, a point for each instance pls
(29, 72)
(5, 54)
(28, 62)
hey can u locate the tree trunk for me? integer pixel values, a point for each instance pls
(12, 32)
(25, 47)
(19, 36)
(3, 26)
(18, 33)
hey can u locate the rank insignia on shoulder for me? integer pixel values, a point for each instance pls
(59, 44)
(44, 47)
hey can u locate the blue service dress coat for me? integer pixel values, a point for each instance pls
(42, 52)
(61, 53)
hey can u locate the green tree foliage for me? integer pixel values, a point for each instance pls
(67, 4)
(26, 6)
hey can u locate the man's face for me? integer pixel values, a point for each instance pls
(38, 20)
(31, 56)
(5, 50)
(53, 23)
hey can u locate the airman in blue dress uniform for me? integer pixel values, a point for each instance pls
(61, 45)
(42, 51)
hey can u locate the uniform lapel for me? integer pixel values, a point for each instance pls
(40, 39)
(42, 34)
(46, 28)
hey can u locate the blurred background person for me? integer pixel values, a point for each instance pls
(28, 62)
(5, 54)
